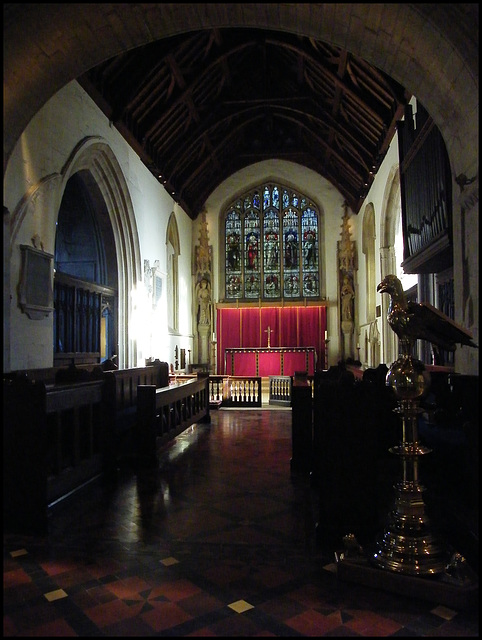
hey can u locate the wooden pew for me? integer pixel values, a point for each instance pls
(166, 412)
(450, 427)
(353, 428)
(57, 375)
(119, 400)
(301, 425)
(62, 429)
(120, 408)
(53, 444)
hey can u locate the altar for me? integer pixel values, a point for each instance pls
(273, 361)
(265, 341)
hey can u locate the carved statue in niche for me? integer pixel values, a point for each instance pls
(346, 266)
(203, 293)
(203, 296)
(203, 270)
(347, 298)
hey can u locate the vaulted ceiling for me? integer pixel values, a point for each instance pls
(200, 106)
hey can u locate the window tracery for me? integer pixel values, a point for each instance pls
(272, 245)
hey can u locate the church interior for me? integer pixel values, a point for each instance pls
(241, 324)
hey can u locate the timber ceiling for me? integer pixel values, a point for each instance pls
(201, 106)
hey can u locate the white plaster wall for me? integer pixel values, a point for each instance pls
(185, 338)
(39, 158)
(376, 196)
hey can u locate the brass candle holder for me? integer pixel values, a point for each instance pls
(407, 545)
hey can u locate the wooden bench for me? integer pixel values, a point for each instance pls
(58, 375)
(354, 426)
(119, 397)
(63, 429)
(53, 444)
(163, 413)
(120, 408)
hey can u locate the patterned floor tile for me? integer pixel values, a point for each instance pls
(219, 541)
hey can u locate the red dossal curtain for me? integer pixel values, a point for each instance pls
(290, 327)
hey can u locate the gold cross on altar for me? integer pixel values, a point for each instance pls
(269, 331)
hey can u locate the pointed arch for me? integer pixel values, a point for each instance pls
(173, 250)
(368, 248)
(271, 238)
(391, 213)
(95, 156)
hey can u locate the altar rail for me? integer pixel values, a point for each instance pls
(280, 390)
(243, 391)
(228, 391)
(235, 391)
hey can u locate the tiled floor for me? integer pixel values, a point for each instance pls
(219, 541)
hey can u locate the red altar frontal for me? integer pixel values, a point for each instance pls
(275, 361)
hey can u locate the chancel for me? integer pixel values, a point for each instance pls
(193, 218)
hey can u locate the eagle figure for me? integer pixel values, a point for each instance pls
(412, 321)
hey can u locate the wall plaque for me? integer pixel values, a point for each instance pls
(36, 283)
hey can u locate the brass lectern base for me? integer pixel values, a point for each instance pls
(443, 589)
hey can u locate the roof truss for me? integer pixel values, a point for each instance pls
(200, 106)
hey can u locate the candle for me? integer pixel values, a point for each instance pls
(358, 346)
(326, 334)
(214, 336)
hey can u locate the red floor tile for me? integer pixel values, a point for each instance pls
(224, 504)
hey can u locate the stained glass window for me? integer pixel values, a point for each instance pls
(233, 254)
(272, 245)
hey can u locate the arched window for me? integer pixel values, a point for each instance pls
(271, 245)
(368, 247)
(172, 255)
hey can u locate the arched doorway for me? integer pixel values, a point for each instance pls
(85, 284)
(93, 180)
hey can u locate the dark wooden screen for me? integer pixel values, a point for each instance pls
(426, 194)
(77, 326)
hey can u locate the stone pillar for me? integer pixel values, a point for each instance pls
(348, 347)
(346, 271)
(204, 344)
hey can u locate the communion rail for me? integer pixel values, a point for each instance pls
(228, 391)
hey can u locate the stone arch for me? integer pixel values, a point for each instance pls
(368, 248)
(453, 61)
(393, 37)
(173, 250)
(388, 224)
(96, 157)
